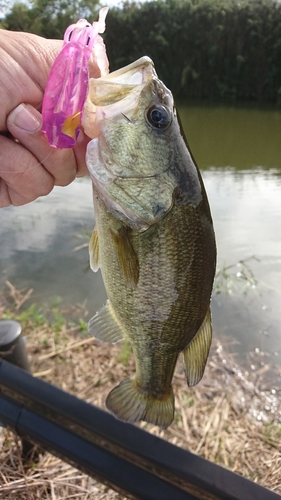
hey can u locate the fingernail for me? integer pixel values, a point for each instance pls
(22, 117)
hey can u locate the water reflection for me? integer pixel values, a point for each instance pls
(239, 137)
(246, 210)
(37, 240)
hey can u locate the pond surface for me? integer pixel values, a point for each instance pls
(239, 153)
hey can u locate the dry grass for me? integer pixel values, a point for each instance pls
(230, 418)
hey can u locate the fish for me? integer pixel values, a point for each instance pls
(153, 241)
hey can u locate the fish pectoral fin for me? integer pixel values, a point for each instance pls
(104, 327)
(131, 404)
(196, 353)
(126, 255)
(94, 250)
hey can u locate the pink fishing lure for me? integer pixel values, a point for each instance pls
(67, 84)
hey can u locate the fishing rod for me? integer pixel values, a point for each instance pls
(126, 458)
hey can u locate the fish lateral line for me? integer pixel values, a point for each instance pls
(169, 237)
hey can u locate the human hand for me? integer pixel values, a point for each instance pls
(29, 167)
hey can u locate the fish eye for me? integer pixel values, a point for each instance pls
(159, 117)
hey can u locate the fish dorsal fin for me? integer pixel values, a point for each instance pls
(104, 327)
(126, 255)
(196, 353)
(94, 250)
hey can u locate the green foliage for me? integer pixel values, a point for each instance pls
(83, 326)
(49, 18)
(215, 49)
(5, 7)
(57, 320)
(34, 314)
(21, 18)
(207, 49)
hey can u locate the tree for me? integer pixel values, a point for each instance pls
(49, 18)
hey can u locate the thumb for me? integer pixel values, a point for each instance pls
(25, 124)
(23, 118)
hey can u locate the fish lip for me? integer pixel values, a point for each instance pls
(123, 75)
(115, 92)
(117, 96)
(115, 87)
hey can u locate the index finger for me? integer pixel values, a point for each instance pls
(22, 178)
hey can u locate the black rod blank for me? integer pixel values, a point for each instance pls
(126, 458)
(12, 344)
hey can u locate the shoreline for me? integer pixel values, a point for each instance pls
(232, 417)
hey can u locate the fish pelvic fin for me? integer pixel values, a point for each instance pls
(196, 353)
(104, 327)
(94, 250)
(129, 403)
(126, 255)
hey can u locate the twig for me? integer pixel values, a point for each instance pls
(17, 296)
(67, 348)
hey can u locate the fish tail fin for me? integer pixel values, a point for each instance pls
(131, 404)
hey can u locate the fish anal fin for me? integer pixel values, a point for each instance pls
(126, 255)
(104, 327)
(196, 353)
(94, 251)
(129, 403)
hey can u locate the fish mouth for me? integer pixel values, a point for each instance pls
(105, 89)
(116, 94)
(116, 118)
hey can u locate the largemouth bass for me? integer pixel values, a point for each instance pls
(153, 241)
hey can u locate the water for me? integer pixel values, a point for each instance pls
(39, 242)
(239, 153)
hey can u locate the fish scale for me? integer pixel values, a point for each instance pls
(157, 265)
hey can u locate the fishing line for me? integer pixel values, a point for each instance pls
(27, 168)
